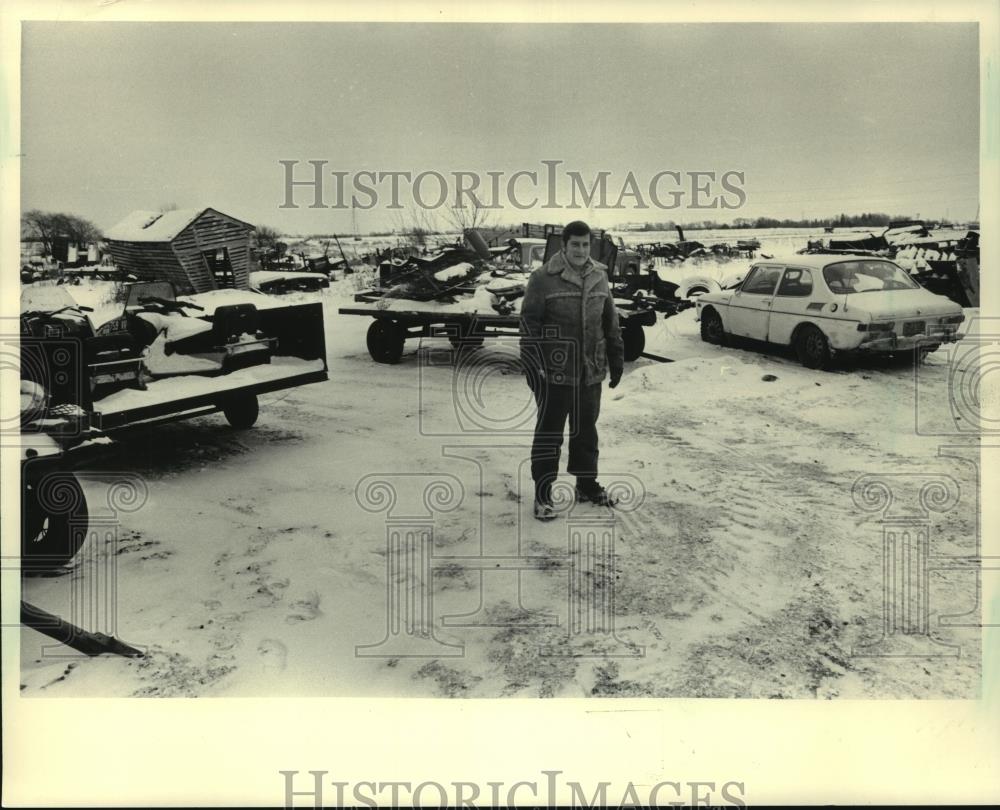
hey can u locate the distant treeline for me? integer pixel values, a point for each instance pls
(869, 219)
(865, 220)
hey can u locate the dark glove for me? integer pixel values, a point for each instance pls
(616, 377)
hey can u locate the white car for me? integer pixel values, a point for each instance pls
(822, 305)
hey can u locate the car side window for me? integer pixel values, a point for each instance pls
(762, 280)
(797, 282)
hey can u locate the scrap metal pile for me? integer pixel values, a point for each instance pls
(943, 260)
(441, 277)
(685, 249)
(493, 276)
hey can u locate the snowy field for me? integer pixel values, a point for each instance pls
(749, 570)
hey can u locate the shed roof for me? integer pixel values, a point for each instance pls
(157, 226)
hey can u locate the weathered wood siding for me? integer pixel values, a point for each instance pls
(150, 261)
(212, 231)
(182, 261)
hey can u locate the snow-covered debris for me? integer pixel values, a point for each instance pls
(455, 271)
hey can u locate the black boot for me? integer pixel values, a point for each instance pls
(589, 491)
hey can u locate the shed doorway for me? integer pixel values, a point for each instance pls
(220, 267)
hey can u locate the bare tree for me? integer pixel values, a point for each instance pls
(267, 237)
(37, 225)
(45, 226)
(416, 224)
(79, 230)
(471, 217)
(269, 247)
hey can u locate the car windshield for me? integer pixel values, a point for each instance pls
(867, 276)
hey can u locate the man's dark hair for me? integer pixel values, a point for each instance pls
(576, 228)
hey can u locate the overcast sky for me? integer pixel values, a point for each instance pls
(820, 118)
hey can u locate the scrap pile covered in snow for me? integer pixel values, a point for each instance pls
(455, 280)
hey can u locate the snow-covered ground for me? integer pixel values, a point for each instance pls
(748, 570)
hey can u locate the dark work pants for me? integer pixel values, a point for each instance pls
(582, 405)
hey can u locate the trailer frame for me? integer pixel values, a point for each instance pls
(391, 328)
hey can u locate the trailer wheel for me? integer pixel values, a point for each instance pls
(385, 341)
(242, 412)
(54, 521)
(634, 338)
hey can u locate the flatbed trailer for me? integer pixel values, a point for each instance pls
(397, 320)
(63, 438)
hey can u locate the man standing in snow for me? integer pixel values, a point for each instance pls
(570, 340)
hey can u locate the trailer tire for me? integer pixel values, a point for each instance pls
(693, 286)
(385, 341)
(242, 412)
(54, 521)
(634, 338)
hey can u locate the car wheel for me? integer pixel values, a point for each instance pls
(711, 328)
(54, 522)
(812, 348)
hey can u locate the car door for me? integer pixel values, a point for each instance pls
(750, 306)
(791, 304)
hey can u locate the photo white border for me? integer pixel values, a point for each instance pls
(70, 752)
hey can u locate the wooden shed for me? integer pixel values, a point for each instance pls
(197, 249)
